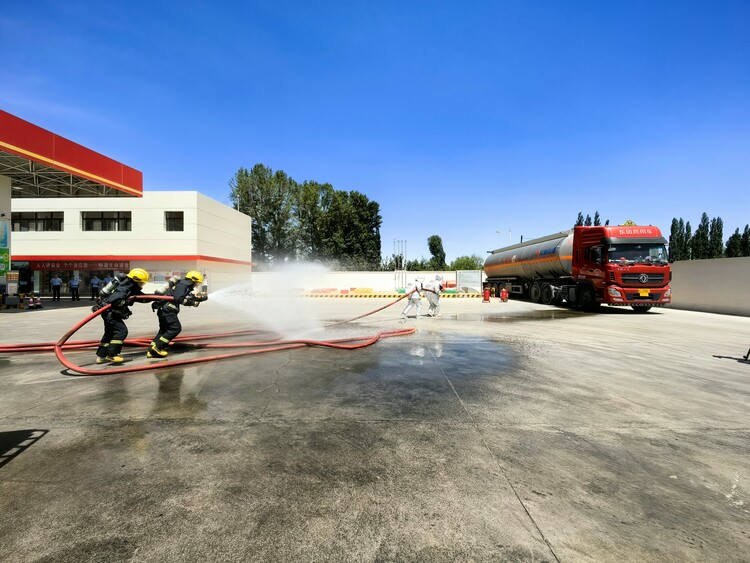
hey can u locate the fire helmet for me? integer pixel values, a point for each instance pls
(194, 276)
(138, 275)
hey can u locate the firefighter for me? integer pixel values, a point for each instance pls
(433, 296)
(168, 311)
(115, 329)
(414, 300)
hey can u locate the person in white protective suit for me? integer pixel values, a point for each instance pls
(433, 296)
(414, 300)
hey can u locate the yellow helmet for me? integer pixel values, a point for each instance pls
(194, 276)
(138, 275)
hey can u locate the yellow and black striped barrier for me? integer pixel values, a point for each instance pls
(392, 295)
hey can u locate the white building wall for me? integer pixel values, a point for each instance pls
(215, 222)
(216, 238)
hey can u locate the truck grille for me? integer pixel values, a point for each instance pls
(635, 279)
(637, 297)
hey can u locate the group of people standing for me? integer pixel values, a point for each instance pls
(431, 290)
(121, 293)
(74, 286)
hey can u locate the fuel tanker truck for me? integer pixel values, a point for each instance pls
(585, 267)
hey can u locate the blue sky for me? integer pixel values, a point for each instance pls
(460, 119)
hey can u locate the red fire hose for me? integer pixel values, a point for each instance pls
(255, 347)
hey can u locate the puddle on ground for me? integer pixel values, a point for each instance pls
(514, 317)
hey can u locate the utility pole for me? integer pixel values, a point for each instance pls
(399, 273)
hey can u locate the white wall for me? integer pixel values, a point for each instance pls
(719, 285)
(216, 238)
(309, 278)
(148, 235)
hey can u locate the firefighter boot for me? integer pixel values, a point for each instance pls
(155, 352)
(115, 359)
(101, 353)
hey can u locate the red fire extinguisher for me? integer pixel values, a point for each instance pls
(486, 295)
(503, 295)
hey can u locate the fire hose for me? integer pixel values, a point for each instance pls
(252, 347)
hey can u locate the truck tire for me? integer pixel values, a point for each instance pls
(548, 295)
(587, 299)
(535, 293)
(638, 309)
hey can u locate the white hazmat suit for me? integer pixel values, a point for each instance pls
(433, 296)
(414, 300)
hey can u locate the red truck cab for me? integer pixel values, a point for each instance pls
(623, 265)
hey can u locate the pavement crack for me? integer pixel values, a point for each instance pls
(500, 468)
(274, 385)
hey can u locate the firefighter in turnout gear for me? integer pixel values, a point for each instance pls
(181, 291)
(115, 329)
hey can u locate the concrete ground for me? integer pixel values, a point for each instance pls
(499, 432)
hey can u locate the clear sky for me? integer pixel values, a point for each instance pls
(460, 119)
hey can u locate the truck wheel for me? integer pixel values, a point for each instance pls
(587, 299)
(548, 296)
(535, 293)
(641, 309)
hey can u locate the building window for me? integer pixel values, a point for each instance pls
(37, 221)
(175, 220)
(105, 220)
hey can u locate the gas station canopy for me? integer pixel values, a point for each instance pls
(42, 164)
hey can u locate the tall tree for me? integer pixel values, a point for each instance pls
(699, 243)
(734, 245)
(266, 196)
(597, 221)
(745, 241)
(472, 262)
(350, 234)
(309, 204)
(675, 240)
(435, 245)
(716, 238)
(686, 242)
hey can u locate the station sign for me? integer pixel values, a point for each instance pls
(117, 265)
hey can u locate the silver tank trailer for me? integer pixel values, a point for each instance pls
(542, 258)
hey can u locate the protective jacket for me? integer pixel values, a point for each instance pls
(119, 297)
(181, 295)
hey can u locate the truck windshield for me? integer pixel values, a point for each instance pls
(655, 254)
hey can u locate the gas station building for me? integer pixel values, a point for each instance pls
(67, 210)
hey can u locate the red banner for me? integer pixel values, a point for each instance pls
(118, 265)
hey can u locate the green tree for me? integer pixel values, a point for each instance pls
(435, 245)
(675, 239)
(734, 245)
(309, 203)
(266, 196)
(699, 243)
(417, 265)
(308, 221)
(686, 242)
(350, 233)
(746, 241)
(716, 238)
(472, 262)
(597, 221)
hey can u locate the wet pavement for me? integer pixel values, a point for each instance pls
(499, 432)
